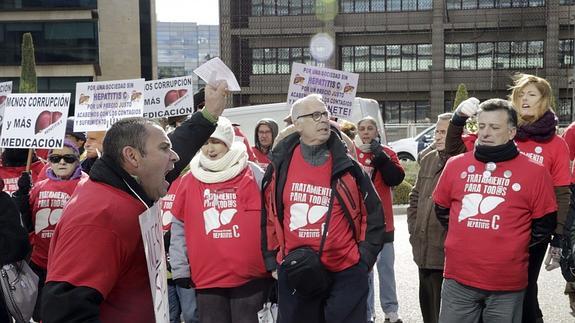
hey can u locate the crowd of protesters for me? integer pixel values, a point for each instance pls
(302, 218)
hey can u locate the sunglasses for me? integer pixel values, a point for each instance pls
(67, 158)
(316, 116)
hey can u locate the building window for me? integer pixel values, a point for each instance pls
(283, 7)
(566, 53)
(406, 111)
(498, 55)
(280, 60)
(564, 110)
(567, 2)
(493, 4)
(390, 58)
(351, 6)
(452, 56)
(38, 5)
(54, 42)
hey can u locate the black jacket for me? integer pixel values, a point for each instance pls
(344, 169)
(64, 302)
(14, 244)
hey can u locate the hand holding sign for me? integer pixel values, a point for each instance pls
(215, 70)
(216, 98)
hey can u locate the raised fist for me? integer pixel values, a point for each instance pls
(468, 108)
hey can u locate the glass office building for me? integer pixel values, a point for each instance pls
(78, 41)
(183, 46)
(411, 54)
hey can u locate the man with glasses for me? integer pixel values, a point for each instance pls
(312, 185)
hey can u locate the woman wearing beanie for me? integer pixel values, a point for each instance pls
(219, 204)
(43, 207)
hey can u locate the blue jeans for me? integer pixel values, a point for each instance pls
(174, 302)
(187, 303)
(466, 304)
(387, 291)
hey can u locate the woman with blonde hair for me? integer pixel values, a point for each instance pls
(536, 138)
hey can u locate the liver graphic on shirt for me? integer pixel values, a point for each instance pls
(45, 218)
(474, 203)
(213, 219)
(301, 215)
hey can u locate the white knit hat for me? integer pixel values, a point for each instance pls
(224, 131)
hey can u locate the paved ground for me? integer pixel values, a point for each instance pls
(554, 303)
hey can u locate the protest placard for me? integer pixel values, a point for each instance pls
(100, 104)
(5, 90)
(169, 97)
(337, 88)
(35, 120)
(215, 70)
(151, 229)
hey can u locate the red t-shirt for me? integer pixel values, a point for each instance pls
(490, 219)
(382, 189)
(47, 200)
(223, 230)
(569, 137)
(98, 244)
(306, 197)
(261, 159)
(167, 202)
(553, 154)
(10, 175)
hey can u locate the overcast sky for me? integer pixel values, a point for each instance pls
(203, 12)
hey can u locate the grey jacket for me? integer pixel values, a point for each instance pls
(178, 250)
(426, 233)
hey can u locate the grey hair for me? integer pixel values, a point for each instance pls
(370, 119)
(298, 105)
(445, 116)
(131, 132)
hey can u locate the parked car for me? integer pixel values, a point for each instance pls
(408, 148)
(248, 116)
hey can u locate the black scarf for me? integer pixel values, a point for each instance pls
(496, 154)
(542, 130)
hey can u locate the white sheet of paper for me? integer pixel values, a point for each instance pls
(215, 70)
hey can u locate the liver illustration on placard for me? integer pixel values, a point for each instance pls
(173, 96)
(45, 119)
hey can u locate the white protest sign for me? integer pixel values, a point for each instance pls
(151, 229)
(336, 87)
(215, 70)
(5, 90)
(100, 104)
(35, 120)
(169, 97)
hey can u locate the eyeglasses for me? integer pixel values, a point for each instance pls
(67, 158)
(316, 116)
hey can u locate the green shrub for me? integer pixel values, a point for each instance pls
(460, 96)
(401, 193)
(411, 168)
